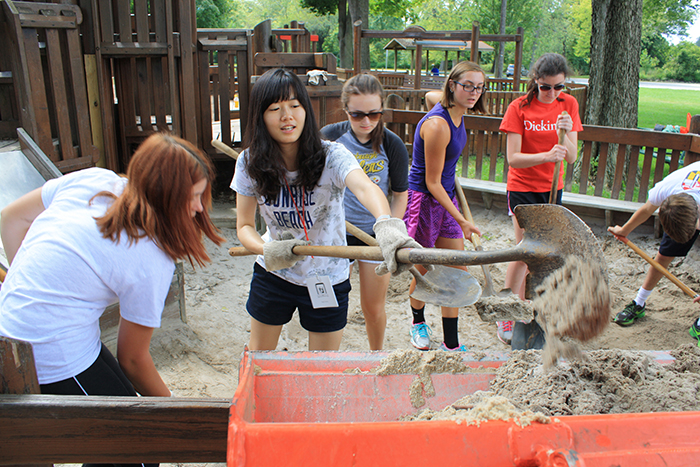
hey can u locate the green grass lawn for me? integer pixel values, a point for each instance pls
(666, 106)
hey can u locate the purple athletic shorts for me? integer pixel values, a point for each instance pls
(426, 219)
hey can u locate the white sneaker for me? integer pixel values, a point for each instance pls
(420, 336)
(504, 331)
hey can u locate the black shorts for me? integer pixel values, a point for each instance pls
(273, 300)
(103, 378)
(528, 197)
(670, 247)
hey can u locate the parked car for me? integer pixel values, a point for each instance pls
(510, 71)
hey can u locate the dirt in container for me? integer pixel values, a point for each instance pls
(423, 364)
(601, 382)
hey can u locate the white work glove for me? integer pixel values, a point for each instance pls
(278, 253)
(391, 235)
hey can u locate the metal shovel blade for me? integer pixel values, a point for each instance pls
(449, 287)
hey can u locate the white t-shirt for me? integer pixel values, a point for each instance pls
(683, 180)
(322, 211)
(65, 274)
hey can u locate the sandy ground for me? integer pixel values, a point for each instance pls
(200, 358)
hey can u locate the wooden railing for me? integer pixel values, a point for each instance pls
(36, 428)
(626, 145)
(49, 75)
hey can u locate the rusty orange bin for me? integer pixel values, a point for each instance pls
(306, 409)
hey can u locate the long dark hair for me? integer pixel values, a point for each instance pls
(366, 84)
(265, 164)
(155, 202)
(547, 65)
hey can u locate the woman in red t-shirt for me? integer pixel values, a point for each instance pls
(532, 123)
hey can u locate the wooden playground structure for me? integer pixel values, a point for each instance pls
(88, 81)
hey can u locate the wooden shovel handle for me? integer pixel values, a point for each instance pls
(360, 234)
(230, 152)
(688, 291)
(466, 212)
(368, 253)
(557, 168)
(476, 239)
(2, 275)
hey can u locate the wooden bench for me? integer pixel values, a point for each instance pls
(488, 189)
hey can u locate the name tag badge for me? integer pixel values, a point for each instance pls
(321, 292)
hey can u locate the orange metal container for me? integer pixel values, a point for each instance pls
(306, 409)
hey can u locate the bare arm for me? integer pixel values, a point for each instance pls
(16, 219)
(436, 136)
(369, 194)
(135, 359)
(640, 215)
(246, 207)
(399, 200)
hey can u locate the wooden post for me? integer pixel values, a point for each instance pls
(474, 57)
(18, 375)
(357, 47)
(261, 41)
(518, 63)
(693, 154)
(419, 66)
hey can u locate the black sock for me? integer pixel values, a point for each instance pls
(418, 315)
(449, 329)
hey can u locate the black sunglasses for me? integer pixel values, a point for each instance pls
(547, 87)
(358, 116)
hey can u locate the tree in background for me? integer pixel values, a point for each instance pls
(214, 13)
(348, 12)
(684, 63)
(616, 43)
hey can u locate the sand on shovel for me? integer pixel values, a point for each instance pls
(572, 303)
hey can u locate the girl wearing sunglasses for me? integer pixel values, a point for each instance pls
(383, 157)
(532, 123)
(432, 216)
(298, 182)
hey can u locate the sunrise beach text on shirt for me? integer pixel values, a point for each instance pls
(290, 218)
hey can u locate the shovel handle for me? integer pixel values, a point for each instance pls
(360, 234)
(688, 291)
(557, 168)
(225, 149)
(476, 239)
(466, 212)
(445, 257)
(2, 275)
(368, 253)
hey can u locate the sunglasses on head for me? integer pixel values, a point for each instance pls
(547, 87)
(358, 116)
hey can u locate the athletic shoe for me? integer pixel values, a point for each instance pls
(420, 336)
(694, 331)
(504, 331)
(631, 312)
(461, 348)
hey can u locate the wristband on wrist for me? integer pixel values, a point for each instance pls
(382, 217)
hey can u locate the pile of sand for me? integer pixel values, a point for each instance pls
(602, 382)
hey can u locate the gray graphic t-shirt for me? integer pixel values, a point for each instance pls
(320, 211)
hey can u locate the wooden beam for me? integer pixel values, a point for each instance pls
(103, 429)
